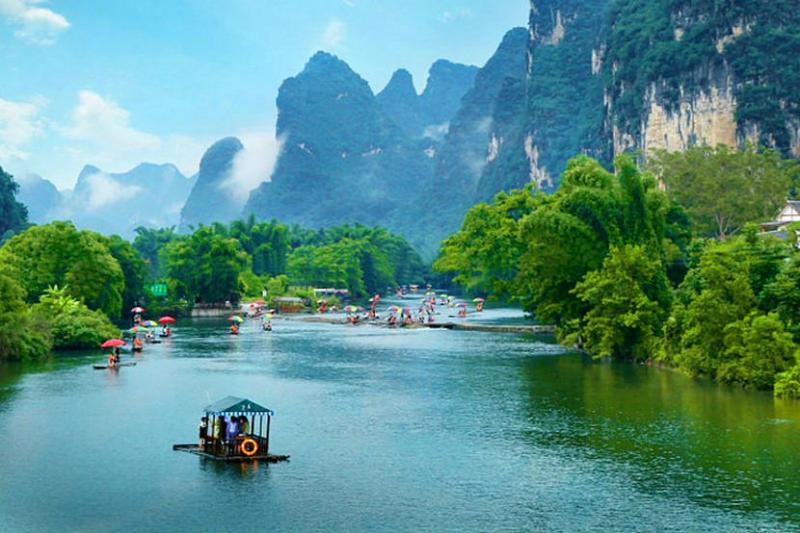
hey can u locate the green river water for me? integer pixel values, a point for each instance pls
(392, 430)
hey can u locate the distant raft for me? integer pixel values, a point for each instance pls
(106, 366)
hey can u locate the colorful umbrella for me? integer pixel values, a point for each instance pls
(394, 308)
(138, 329)
(149, 324)
(236, 318)
(476, 300)
(166, 320)
(137, 310)
(113, 343)
(350, 308)
(462, 304)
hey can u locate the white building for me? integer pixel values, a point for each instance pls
(779, 227)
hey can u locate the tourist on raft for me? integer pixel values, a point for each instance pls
(232, 431)
(203, 429)
(113, 358)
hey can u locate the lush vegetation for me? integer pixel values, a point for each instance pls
(610, 260)
(723, 189)
(60, 254)
(669, 41)
(13, 215)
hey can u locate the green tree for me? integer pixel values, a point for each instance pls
(13, 215)
(150, 244)
(134, 270)
(628, 301)
(723, 189)
(486, 252)
(757, 348)
(22, 336)
(787, 384)
(59, 254)
(71, 324)
(205, 266)
(717, 299)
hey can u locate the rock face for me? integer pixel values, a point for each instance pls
(703, 73)
(556, 113)
(210, 199)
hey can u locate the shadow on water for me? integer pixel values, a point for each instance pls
(719, 445)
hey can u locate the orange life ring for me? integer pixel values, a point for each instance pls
(249, 447)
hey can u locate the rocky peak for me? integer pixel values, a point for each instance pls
(217, 160)
(399, 100)
(447, 84)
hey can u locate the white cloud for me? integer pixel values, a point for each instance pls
(102, 120)
(449, 16)
(19, 124)
(252, 165)
(334, 34)
(104, 191)
(102, 134)
(37, 25)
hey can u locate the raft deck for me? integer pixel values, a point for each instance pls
(195, 449)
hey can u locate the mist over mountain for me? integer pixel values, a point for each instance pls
(210, 199)
(148, 195)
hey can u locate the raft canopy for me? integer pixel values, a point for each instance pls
(234, 404)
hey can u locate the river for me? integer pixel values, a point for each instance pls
(395, 430)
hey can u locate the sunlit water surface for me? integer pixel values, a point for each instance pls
(392, 430)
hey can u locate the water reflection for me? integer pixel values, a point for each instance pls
(717, 445)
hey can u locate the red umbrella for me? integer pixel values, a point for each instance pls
(137, 310)
(166, 320)
(260, 302)
(113, 343)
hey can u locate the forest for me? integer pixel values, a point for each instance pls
(637, 265)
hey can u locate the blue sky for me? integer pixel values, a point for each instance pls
(117, 82)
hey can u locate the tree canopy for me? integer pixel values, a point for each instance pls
(59, 254)
(722, 189)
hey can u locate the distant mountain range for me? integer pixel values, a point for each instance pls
(148, 195)
(599, 77)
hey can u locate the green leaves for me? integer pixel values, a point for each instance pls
(205, 266)
(628, 301)
(722, 189)
(59, 254)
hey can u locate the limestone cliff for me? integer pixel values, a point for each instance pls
(680, 73)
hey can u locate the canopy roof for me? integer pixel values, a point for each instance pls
(234, 404)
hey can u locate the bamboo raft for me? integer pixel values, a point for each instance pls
(195, 449)
(530, 329)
